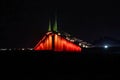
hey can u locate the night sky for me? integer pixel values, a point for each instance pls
(24, 22)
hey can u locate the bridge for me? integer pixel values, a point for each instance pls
(60, 41)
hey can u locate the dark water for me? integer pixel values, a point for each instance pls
(40, 65)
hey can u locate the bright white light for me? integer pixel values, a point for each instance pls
(105, 46)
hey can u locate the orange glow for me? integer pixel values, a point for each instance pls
(44, 44)
(60, 44)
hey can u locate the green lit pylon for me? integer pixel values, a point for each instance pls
(49, 27)
(55, 25)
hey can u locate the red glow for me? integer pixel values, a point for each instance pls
(45, 44)
(60, 44)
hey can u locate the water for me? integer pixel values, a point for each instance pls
(36, 65)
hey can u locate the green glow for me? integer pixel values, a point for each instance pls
(49, 27)
(55, 25)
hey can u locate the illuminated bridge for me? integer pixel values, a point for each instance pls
(60, 41)
(55, 40)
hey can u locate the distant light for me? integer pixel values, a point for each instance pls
(67, 38)
(23, 49)
(80, 44)
(10, 49)
(86, 46)
(3, 49)
(72, 40)
(106, 46)
(30, 48)
(59, 34)
(83, 45)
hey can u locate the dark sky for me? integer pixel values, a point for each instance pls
(24, 22)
